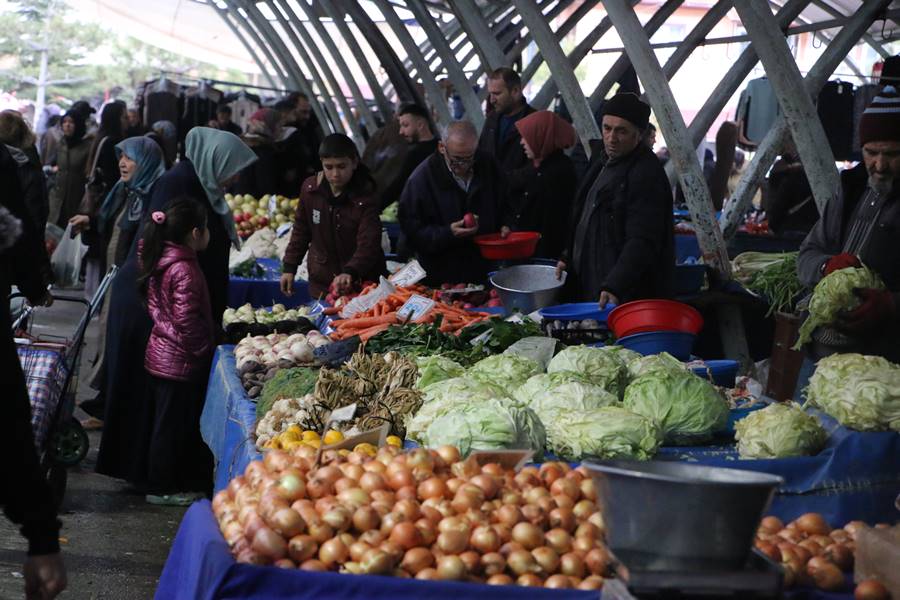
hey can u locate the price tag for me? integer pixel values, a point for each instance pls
(283, 229)
(273, 205)
(345, 413)
(415, 308)
(411, 273)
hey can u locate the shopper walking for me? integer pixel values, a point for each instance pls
(70, 168)
(177, 464)
(20, 141)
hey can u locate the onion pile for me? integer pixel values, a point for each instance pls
(812, 553)
(277, 350)
(420, 513)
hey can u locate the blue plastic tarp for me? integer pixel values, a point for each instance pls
(267, 290)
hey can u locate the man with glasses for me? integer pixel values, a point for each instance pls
(455, 182)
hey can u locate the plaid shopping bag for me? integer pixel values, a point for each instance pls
(45, 376)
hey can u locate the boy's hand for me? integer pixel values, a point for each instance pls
(287, 284)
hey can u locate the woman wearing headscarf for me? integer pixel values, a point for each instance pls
(545, 204)
(70, 167)
(140, 165)
(212, 160)
(261, 178)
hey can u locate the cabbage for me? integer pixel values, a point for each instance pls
(601, 367)
(624, 354)
(433, 369)
(548, 394)
(487, 425)
(861, 392)
(506, 370)
(834, 294)
(779, 431)
(444, 396)
(646, 365)
(608, 432)
(687, 408)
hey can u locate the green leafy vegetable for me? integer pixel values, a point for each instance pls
(608, 432)
(687, 408)
(602, 367)
(548, 394)
(506, 370)
(861, 392)
(488, 425)
(655, 363)
(447, 395)
(287, 383)
(834, 294)
(433, 369)
(778, 282)
(779, 431)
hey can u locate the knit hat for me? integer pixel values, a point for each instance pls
(880, 122)
(629, 107)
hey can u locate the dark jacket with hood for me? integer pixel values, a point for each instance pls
(622, 236)
(507, 151)
(66, 196)
(33, 184)
(342, 234)
(432, 199)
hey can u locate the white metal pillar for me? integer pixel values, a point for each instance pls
(473, 23)
(692, 40)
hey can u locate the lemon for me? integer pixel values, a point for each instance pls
(393, 440)
(333, 437)
(291, 436)
(367, 449)
(291, 445)
(310, 435)
(295, 429)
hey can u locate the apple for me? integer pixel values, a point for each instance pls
(263, 221)
(469, 221)
(247, 215)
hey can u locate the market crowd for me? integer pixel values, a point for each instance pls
(153, 205)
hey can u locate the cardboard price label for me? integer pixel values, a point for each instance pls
(415, 308)
(409, 274)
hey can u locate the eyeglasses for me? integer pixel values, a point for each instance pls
(459, 162)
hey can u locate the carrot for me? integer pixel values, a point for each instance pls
(365, 322)
(365, 334)
(331, 310)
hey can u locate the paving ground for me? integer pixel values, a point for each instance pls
(114, 544)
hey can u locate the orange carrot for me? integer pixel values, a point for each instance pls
(365, 334)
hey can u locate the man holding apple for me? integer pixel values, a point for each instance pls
(454, 195)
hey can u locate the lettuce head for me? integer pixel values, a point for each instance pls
(834, 294)
(433, 369)
(487, 425)
(509, 371)
(602, 367)
(550, 393)
(606, 433)
(862, 392)
(444, 396)
(779, 430)
(653, 364)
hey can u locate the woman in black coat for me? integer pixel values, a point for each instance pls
(545, 204)
(213, 160)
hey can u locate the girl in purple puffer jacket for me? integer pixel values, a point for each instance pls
(181, 344)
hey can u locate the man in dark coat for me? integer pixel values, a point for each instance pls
(861, 226)
(499, 137)
(415, 127)
(455, 181)
(623, 243)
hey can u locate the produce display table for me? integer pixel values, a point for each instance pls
(857, 475)
(200, 567)
(265, 291)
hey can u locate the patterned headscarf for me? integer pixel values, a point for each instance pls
(150, 167)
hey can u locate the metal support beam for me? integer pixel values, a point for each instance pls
(562, 31)
(479, 33)
(432, 89)
(621, 65)
(288, 77)
(770, 146)
(870, 40)
(561, 71)
(448, 60)
(397, 73)
(336, 58)
(693, 39)
(696, 193)
(729, 83)
(548, 91)
(796, 104)
(263, 67)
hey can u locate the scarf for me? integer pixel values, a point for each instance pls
(150, 167)
(80, 128)
(217, 156)
(545, 133)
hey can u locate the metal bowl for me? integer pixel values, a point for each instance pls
(527, 287)
(674, 516)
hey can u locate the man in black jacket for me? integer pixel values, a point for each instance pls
(454, 181)
(623, 243)
(499, 137)
(415, 128)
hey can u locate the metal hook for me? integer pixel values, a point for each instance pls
(821, 42)
(883, 25)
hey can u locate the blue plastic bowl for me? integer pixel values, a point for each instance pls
(577, 311)
(676, 343)
(723, 371)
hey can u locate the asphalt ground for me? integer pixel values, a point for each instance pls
(114, 544)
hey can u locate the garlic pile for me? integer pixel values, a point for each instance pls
(277, 350)
(283, 414)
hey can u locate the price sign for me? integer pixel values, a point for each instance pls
(415, 308)
(409, 274)
(336, 353)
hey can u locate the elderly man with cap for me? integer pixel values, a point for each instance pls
(861, 225)
(623, 243)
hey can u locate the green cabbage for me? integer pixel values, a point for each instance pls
(778, 431)
(861, 392)
(601, 367)
(487, 425)
(608, 432)
(506, 370)
(834, 294)
(654, 363)
(625, 355)
(549, 394)
(444, 396)
(433, 369)
(687, 408)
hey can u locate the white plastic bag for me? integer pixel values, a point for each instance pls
(67, 258)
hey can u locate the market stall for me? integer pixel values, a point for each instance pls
(263, 287)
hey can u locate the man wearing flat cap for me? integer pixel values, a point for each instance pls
(861, 225)
(623, 244)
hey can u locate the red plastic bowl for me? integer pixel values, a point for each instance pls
(518, 244)
(643, 316)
